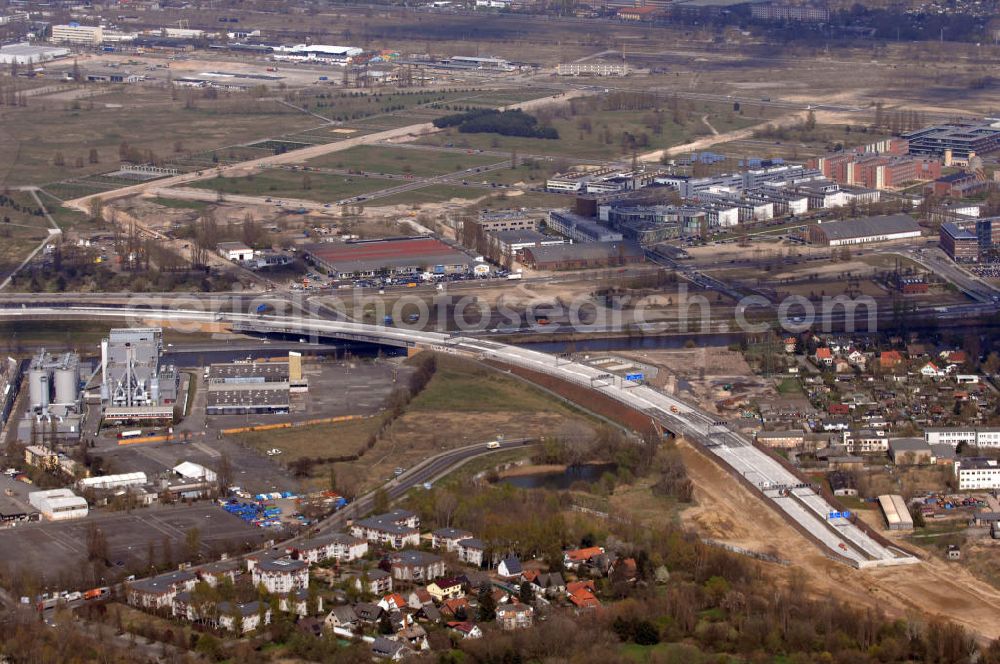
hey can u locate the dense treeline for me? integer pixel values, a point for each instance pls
(489, 121)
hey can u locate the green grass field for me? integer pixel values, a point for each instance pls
(464, 387)
(323, 188)
(604, 139)
(402, 161)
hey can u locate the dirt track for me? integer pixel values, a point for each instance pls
(728, 512)
(295, 156)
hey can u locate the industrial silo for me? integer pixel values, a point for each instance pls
(38, 387)
(66, 383)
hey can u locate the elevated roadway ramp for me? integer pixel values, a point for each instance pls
(808, 511)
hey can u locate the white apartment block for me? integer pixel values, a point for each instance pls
(84, 35)
(977, 473)
(981, 437)
(866, 441)
(338, 546)
(281, 576)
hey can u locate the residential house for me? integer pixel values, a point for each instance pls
(549, 583)
(338, 546)
(890, 359)
(931, 370)
(583, 598)
(443, 589)
(415, 637)
(866, 441)
(509, 568)
(824, 356)
(375, 582)
(281, 576)
(159, 591)
(459, 607)
(416, 566)
(342, 616)
(789, 439)
(574, 558)
(394, 651)
(471, 551)
(448, 538)
(419, 597)
(368, 613)
(397, 529)
(515, 616)
(392, 602)
(466, 630)
(790, 344)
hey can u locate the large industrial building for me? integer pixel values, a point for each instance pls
(135, 386)
(54, 409)
(583, 255)
(260, 388)
(862, 231)
(408, 256)
(58, 504)
(28, 54)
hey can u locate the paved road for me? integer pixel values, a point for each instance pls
(808, 510)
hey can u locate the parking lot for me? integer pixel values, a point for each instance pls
(63, 545)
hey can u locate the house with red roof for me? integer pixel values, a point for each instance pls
(573, 558)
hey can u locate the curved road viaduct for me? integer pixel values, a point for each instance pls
(793, 498)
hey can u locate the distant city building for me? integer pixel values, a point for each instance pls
(74, 33)
(773, 11)
(592, 69)
(583, 256)
(862, 231)
(970, 241)
(398, 256)
(580, 229)
(956, 140)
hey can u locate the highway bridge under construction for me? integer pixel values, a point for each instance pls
(837, 534)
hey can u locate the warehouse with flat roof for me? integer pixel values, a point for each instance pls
(897, 515)
(883, 228)
(391, 256)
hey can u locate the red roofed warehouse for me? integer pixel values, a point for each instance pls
(403, 255)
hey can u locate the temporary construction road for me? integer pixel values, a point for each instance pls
(796, 500)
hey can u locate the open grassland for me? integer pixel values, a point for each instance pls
(464, 403)
(601, 134)
(146, 119)
(317, 440)
(310, 186)
(402, 161)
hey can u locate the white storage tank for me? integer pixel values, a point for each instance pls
(67, 385)
(38, 387)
